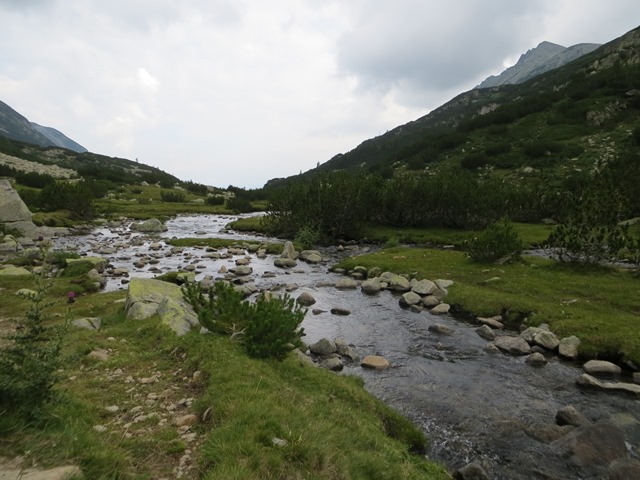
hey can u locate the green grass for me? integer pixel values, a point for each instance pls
(249, 224)
(601, 306)
(334, 428)
(531, 234)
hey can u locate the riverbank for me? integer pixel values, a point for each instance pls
(137, 402)
(599, 305)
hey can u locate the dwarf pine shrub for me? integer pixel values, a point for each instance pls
(30, 358)
(268, 328)
(499, 241)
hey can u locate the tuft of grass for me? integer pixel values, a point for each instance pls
(599, 305)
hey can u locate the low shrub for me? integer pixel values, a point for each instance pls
(268, 328)
(172, 197)
(499, 241)
(307, 237)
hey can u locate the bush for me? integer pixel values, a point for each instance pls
(586, 244)
(500, 241)
(269, 328)
(172, 197)
(31, 359)
(307, 236)
(76, 198)
(215, 200)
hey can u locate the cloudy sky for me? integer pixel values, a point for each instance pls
(240, 91)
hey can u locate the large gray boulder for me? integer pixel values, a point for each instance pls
(153, 225)
(513, 345)
(14, 213)
(147, 297)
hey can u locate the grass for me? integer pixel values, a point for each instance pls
(334, 429)
(600, 305)
(249, 224)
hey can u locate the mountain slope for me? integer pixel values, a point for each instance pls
(543, 58)
(566, 119)
(58, 138)
(17, 127)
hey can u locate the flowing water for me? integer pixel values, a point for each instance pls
(472, 405)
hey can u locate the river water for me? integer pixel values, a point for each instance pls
(472, 405)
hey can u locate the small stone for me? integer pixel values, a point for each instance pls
(440, 329)
(186, 420)
(375, 362)
(148, 380)
(340, 311)
(99, 354)
(371, 286)
(279, 442)
(100, 428)
(424, 287)
(112, 408)
(430, 301)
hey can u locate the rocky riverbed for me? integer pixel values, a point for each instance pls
(484, 410)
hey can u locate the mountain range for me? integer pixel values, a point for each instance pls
(17, 127)
(543, 58)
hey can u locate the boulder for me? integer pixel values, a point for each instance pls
(399, 284)
(323, 347)
(529, 334)
(569, 347)
(289, 251)
(314, 258)
(513, 345)
(440, 309)
(99, 263)
(546, 340)
(601, 367)
(486, 332)
(624, 469)
(570, 416)
(346, 283)
(375, 362)
(589, 381)
(281, 262)
(147, 297)
(14, 213)
(305, 254)
(409, 298)
(371, 286)
(430, 301)
(333, 364)
(243, 270)
(424, 287)
(88, 323)
(493, 322)
(444, 284)
(536, 359)
(345, 350)
(305, 299)
(9, 244)
(472, 471)
(153, 225)
(12, 271)
(592, 445)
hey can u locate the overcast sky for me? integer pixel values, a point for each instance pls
(240, 91)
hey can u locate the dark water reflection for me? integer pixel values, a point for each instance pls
(473, 406)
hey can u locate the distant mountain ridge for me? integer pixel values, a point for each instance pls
(543, 58)
(17, 127)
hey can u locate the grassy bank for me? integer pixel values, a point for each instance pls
(332, 427)
(600, 305)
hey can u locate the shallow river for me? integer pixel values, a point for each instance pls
(472, 405)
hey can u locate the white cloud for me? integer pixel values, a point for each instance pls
(237, 92)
